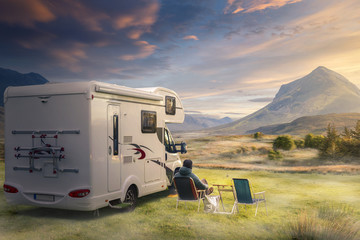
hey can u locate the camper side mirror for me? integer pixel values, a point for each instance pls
(183, 148)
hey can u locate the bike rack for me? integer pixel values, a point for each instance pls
(43, 150)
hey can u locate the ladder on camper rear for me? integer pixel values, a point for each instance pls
(40, 149)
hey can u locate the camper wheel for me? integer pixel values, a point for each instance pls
(131, 196)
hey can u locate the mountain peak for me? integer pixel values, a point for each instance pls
(323, 71)
(321, 68)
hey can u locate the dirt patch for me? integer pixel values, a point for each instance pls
(353, 169)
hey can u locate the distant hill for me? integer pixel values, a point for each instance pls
(321, 92)
(12, 78)
(312, 124)
(197, 122)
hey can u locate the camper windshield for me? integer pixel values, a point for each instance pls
(169, 142)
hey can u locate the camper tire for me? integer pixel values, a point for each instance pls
(131, 197)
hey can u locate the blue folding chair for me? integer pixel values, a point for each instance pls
(187, 191)
(243, 195)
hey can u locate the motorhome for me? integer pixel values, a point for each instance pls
(86, 145)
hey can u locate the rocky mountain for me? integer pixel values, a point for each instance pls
(312, 124)
(323, 91)
(197, 122)
(12, 78)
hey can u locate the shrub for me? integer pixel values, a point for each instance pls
(283, 142)
(312, 141)
(318, 141)
(308, 140)
(300, 143)
(258, 135)
(274, 155)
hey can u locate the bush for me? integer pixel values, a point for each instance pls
(300, 143)
(312, 141)
(284, 142)
(308, 140)
(274, 155)
(258, 135)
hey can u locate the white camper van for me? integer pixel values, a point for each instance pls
(86, 145)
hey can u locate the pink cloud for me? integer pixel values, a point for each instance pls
(236, 6)
(88, 17)
(25, 12)
(145, 50)
(140, 20)
(191, 37)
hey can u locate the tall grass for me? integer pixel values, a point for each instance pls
(328, 223)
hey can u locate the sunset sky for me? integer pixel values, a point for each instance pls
(225, 58)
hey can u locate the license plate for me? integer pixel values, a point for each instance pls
(44, 197)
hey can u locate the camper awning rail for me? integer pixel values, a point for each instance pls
(129, 93)
(45, 132)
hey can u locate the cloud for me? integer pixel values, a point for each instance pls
(24, 12)
(233, 113)
(249, 6)
(70, 58)
(261, 100)
(192, 112)
(191, 37)
(145, 50)
(87, 16)
(140, 19)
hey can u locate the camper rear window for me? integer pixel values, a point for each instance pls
(170, 105)
(148, 122)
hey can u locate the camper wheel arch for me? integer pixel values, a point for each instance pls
(131, 195)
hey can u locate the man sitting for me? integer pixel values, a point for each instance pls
(186, 171)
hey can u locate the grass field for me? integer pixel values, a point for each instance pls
(245, 152)
(326, 204)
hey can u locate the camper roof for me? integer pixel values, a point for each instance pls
(155, 94)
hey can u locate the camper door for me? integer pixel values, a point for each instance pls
(113, 151)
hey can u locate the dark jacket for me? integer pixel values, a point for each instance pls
(187, 172)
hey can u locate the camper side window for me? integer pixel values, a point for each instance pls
(169, 142)
(170, 105)
(148, 122)
(116, 134)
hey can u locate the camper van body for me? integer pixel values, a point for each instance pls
(82, 145)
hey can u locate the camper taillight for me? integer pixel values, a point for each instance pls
(79, 193)
(10, 189)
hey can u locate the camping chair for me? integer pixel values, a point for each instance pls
(242, 194)
(187, 191)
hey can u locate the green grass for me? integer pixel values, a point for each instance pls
(155, 217)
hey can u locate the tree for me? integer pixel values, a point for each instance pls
(347, 134)
(331, 140)
(356, 132)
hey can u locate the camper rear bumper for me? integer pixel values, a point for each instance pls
(59, 202)
(51, 200)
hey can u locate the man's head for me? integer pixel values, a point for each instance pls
(187, 163)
